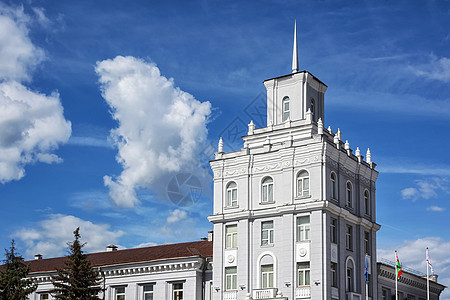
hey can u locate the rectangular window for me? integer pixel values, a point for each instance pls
(267, 233)
(231, 236)
(349, 279)
(303, 228)
(231, 278)
(148, 291)
(304, 271)
(366, 242)
(333, 230)
(349, 238)
(177, 291)
(302, 186)
(384, 294)
(267, 276)
(333, 274)
(119, 293)
(44, 296)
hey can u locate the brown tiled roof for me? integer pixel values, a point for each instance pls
(200, 248)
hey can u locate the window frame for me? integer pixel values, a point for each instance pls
(349, 194)
(367, 242)
(231, 237)
(270, 234)
(268, 186)
(231, 278)
(333, 230)
(301, 177)
(303, 229)
(145, 293)
(285, 100)
(333, 180)
(176, 291)
(349, 238)
(41, 295)
(267, 277)
(119, 294)
(306, 272)
(334, 269)
(232, 194)
(312, 108)
(366, 202)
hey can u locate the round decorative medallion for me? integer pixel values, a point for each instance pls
(334, 254)
(302, 252)
(230, 258)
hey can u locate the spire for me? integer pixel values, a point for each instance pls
(295, 51)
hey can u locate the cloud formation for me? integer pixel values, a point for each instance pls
(438, 69)
(50, 236)
(160, 127)
(32, 124)
(426, 189)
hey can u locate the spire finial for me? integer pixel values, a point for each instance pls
(295, 51)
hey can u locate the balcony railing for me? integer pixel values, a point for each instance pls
(303, 292)
(230, 295)
(264, 293)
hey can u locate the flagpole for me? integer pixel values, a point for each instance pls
(395, 275)
(428, 280)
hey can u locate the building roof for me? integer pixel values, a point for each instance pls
(304, 71)
(190, 249)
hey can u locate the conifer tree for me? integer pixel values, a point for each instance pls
(14, 284)
(78, 280)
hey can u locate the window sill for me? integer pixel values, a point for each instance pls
(304, 241)
(266, 203)
(267, 246)
(231, 207)
(302, 197)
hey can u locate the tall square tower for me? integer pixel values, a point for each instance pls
(294, 209)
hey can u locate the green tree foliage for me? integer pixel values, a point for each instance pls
(14, 284)
(78, 280)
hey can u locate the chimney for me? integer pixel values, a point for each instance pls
(111, 248)
(37, 256)
(210, 235)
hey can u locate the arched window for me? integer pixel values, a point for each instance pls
(313, 109)
(232, 194)
(350, 276)
(333, 186)
(267, 190)
(267, 276)
(286, 108)
(349, 194)
(303, 183)
(267, 270)
(366, 203)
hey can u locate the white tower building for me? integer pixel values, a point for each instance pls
(294, 209)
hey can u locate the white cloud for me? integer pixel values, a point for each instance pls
(18, 55)
(426, 189)
(176, 216)
(31, 126)
(411, 254)
(50, 236)
(160, 127)
(438, 69)
(436, 208)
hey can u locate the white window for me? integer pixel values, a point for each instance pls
(303, 228)
(366, 203)
(231, 236)
(303, 274)
(232, 194)
(267, 190)
(349, 283)
(177, 289)
(302, 183)
(286, 109)
(366, 242)
(349, 194)
(349, 238)
(333, 185)
(334, 274)
(119, 293)
(231, 278)
(148, 291)
(333, 230)
(267, 276)
(44, 296)
(267, 233)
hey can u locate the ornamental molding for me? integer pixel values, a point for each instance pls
(268, 167)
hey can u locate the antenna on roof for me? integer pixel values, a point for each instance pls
(295, 51)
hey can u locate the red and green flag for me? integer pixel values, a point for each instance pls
(398, 266)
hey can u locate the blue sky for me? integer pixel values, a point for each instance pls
(103, 102)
